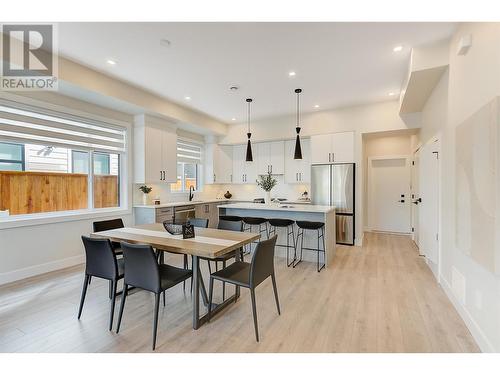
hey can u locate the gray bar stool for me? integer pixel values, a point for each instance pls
(311, 225)
(289, 225)
(250, 222)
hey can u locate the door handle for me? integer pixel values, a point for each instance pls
(401, 201)
(415, 202)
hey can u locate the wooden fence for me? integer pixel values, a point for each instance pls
(34, 192)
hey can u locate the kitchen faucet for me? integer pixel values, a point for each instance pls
(191, 192)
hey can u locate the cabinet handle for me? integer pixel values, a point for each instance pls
(231, 177)
(300, 176)
(214, 177)
(333, 156)
(164, 175)
(161, 175)
(271, 168)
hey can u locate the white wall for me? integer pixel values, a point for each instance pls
(472, 81)
(360, 119)
(30, 250)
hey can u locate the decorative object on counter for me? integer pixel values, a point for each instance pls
(298, 149)
(175, 229)
(249, 156)
(4, 213)
(267, 182)
(145, 191)
(228, 195)
(305, 195)
(187, 231)
(157, 202)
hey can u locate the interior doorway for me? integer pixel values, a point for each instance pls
(389, 194)
(415, 197)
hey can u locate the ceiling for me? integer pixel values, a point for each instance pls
(336, 64)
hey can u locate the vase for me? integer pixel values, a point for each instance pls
(267, 199)
(144, 199)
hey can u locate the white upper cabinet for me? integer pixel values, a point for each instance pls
(298, 171)
(218, 164)
(270, 157)
(244, 172)
(332, 148)
(155, 151)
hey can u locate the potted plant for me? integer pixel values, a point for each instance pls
(145, 191)
(267, 182)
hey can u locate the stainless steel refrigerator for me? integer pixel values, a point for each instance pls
(333, 185)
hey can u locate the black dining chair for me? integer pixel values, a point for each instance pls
(250, 275)
(101, 262)
(101, 226)
(144, 272)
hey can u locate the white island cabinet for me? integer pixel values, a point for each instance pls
(309, 212)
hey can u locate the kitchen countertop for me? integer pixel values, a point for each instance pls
(187, 203)
(279, 207)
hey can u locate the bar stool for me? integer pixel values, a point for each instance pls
(289, 225)
(250, 222)
(311, 225)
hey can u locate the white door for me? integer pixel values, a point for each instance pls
(415, 196)
(321, 148)
(429, 207)
(342, 147)
(389, 198)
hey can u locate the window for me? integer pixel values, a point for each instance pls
(11, 157)
(61, 162)
(189, 166)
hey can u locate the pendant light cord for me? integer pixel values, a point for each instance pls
(298, 106)
(248, 119)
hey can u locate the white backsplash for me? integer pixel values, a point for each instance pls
(239, 191)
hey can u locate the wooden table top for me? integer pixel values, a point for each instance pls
(208, 243)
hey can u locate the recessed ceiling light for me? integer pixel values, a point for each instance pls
(165, 43)
(187, 97)
(233, 119)
(234, 88)
(291, 74)
(316, 106)
(391, 94)
(398, 49)
(111, 62)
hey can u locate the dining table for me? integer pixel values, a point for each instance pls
(208, 243)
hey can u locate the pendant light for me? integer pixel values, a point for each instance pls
(249, 156)
(298, 149)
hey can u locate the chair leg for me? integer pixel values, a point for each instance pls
(254, 311)
(90, 279)
(155, 319)
(273, 278)
(122, 305)
(86, 283)
(185, 267)
(114, 284)
(209, 267)
(110, 289)
(163, 298)
(210, 295)
(223, 283)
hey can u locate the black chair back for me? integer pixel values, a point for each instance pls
(236, 226)
(100, 226)
(100, 258)
(197, 222)
(262, 265)
(141, 267)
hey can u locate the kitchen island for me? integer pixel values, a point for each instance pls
(309, 212)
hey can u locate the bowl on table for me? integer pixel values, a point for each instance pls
(172, 228)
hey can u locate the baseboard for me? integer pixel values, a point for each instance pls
(359, 241)
(39, 269)
(484, 344)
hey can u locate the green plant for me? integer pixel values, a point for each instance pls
(267, 182)
(145, 189)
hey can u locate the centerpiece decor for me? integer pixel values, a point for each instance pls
(145, 191)
(267, 182)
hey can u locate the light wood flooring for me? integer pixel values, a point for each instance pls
(377, 298)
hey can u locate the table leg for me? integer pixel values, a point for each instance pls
(196, 292)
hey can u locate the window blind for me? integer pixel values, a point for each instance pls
(21, 123)
(188, 151)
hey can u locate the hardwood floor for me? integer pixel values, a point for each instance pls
(377, 298)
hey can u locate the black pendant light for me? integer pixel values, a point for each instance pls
(298, 149)
(249, 145)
